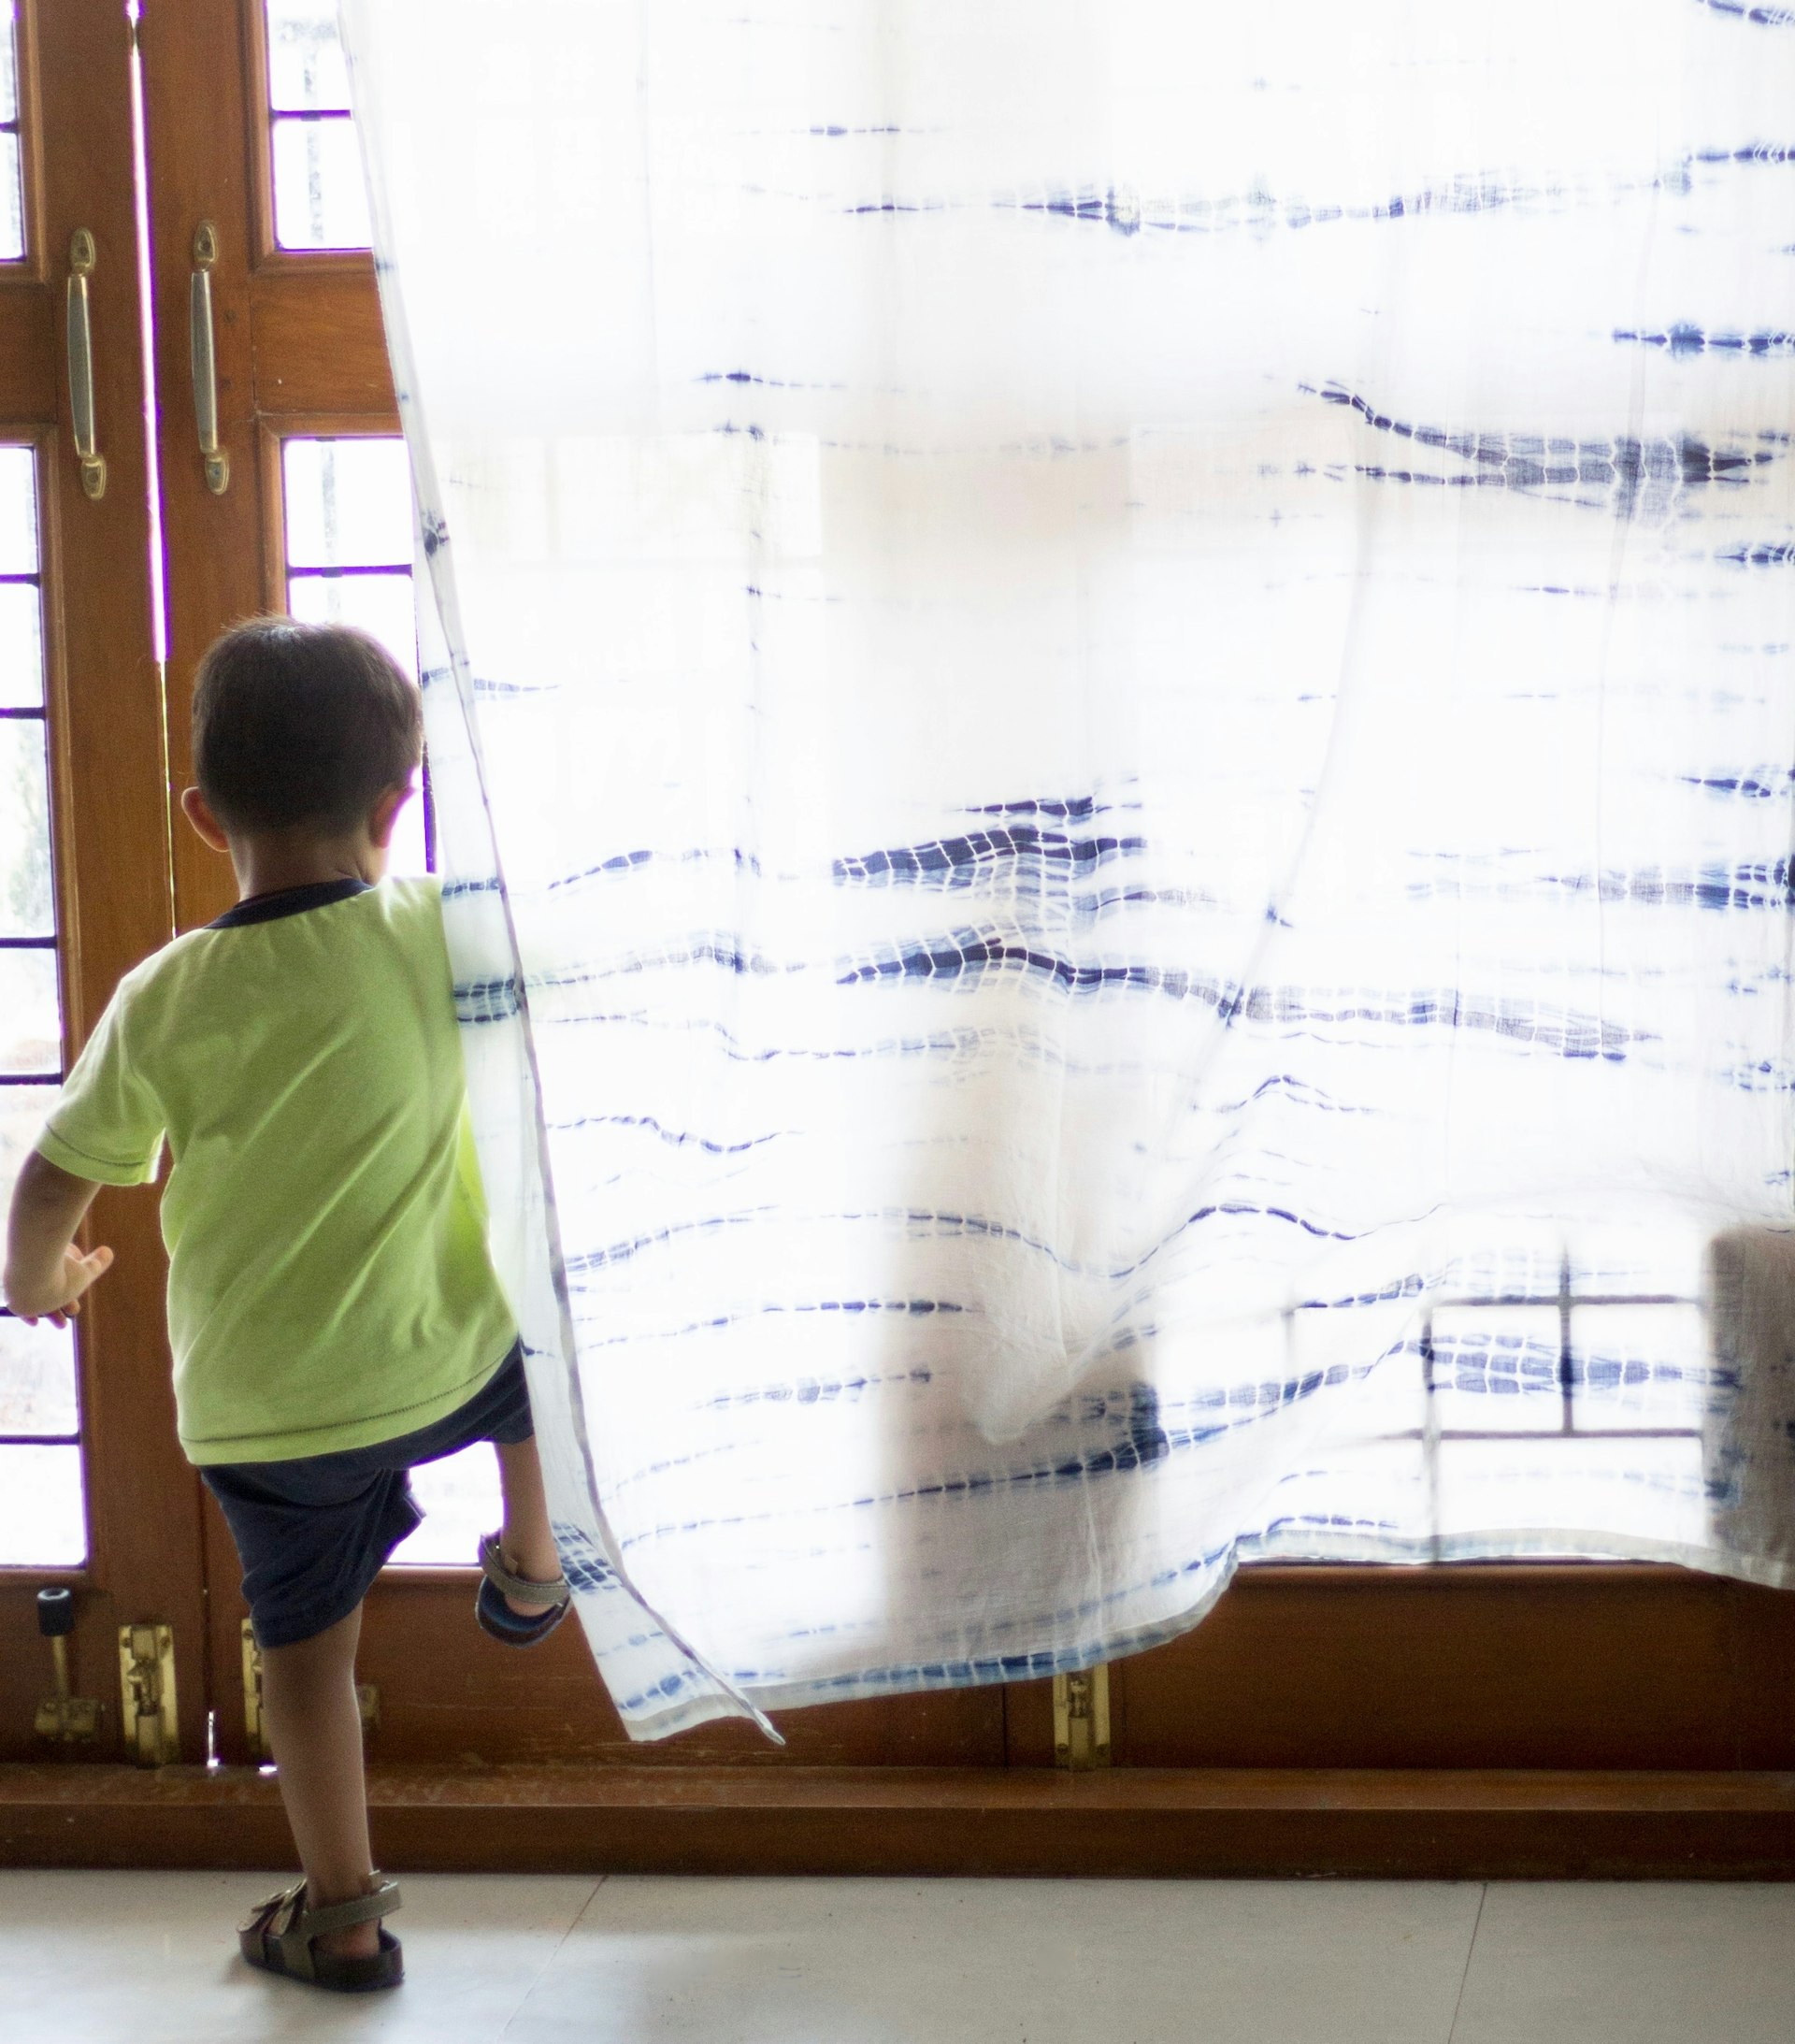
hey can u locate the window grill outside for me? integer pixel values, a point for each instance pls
(42, 1513)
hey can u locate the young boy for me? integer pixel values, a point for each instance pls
(332, 1309)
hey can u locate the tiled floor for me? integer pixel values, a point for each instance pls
(148, 1959)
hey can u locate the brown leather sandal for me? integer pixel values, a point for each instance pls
(278, 1939)
(496, 1616)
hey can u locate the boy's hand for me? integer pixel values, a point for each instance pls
(45, 1274)
(62, 1299)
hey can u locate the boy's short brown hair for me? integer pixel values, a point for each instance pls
(301, 725)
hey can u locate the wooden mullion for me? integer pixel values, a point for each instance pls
(109, 842)
(270, 485)
(252, 41)
(27, 353)
(319, 343)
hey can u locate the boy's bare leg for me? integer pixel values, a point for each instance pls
(315, 1729)
(526, 1545)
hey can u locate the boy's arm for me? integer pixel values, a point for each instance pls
(45, 1274)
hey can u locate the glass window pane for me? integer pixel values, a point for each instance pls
(23, 1110)
(408, 858)
(319, 199)
(8, 64)
(1638, 1257)
(18, 512)
(460, 1497)
(1515, 1265)
(37, 1378)
(380, 604)
(1496, 1371)
(1508, 1497)
(349, 504)
(31, 1023)
(27, 896)
(1390, 1398)
(305, 67)
(42, 1523)
(1640, 1367)
(22, 646)
(12, 209)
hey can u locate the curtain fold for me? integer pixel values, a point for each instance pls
(1110, 700)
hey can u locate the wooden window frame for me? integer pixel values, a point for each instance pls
(1594, 1705)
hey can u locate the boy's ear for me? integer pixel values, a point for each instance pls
(385, 814)
(192, 806)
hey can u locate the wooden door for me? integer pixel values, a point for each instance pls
(95, 1494)
(314, 515)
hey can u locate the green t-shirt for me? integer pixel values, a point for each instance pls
(329, 1285)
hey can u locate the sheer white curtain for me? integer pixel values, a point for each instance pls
(1114, 726)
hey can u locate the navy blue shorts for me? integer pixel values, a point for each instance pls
(313, 1533)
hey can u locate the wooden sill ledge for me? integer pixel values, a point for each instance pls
(1397, 1823)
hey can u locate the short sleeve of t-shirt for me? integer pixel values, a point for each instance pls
(329, 1280)
(108, 1125)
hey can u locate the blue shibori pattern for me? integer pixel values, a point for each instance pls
(1114, 736)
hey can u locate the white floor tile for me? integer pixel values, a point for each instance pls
(151, 1959)
(884, 1962)
(1631, 1963)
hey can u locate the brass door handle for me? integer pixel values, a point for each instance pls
(205, 360)
(82, 257)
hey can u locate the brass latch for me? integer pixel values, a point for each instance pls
(367, 1697)
(1081, 1718)
(66, 1719)
(83, 257)
(215, 462)
(147, 1678)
